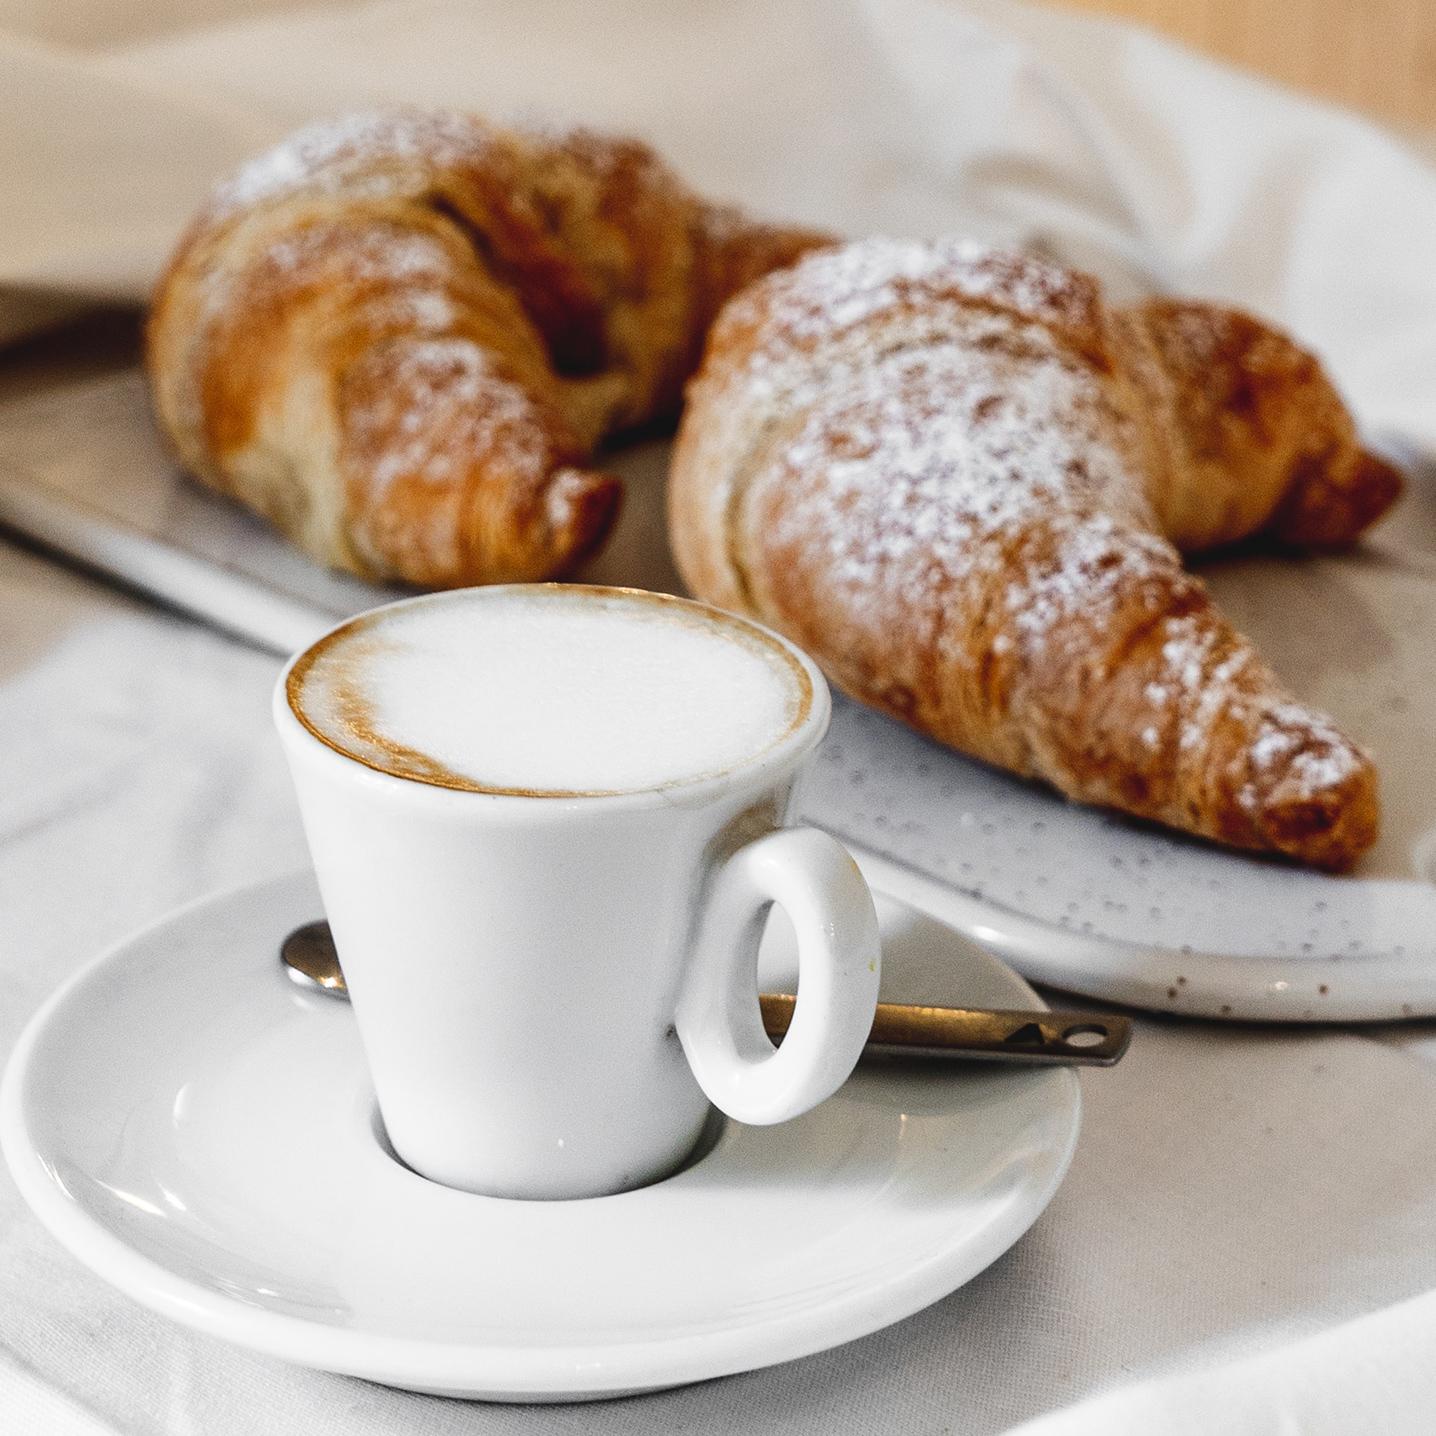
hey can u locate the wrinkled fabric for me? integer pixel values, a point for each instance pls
(1100, 143)
(1387, 1383)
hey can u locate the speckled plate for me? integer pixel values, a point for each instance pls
(1091, 902)
(1073, 897)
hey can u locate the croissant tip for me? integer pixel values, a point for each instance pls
(1339, 513)
(583, 507)
(1378, 485)
(1324, 810)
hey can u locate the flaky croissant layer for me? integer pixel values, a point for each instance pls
(962, 482)
(400, 336)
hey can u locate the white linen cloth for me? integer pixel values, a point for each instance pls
(1236, 1191)
(1101, 143)
(1387, 1382)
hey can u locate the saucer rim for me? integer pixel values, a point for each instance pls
(469, 1368)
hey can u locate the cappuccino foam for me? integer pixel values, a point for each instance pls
(549, 691)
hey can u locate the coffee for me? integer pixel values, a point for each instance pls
(550, 690)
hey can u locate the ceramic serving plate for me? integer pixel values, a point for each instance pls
(1092, 902)
(201, 1133)
(1070, 896)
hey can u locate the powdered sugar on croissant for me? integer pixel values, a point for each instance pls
(961, 482)
(400, 336)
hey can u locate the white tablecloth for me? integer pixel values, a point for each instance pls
(1237, 1191)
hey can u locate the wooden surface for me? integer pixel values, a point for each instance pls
(1378, 56)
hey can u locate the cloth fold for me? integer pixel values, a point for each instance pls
(1098, 143)
(1374, 1374)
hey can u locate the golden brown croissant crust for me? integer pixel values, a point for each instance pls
(962, 483)
(401, 336)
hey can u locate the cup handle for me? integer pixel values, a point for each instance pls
(814, 880)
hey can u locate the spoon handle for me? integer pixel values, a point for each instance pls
(964, 1033)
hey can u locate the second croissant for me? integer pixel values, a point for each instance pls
(963, 483)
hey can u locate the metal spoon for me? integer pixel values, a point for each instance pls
(899, 1030)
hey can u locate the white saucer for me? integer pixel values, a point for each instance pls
(201, 1133)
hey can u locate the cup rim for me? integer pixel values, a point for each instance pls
(803, 734)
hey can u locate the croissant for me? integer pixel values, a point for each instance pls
(963, 484)
(401, 336)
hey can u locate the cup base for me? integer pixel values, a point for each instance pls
(710, 1134)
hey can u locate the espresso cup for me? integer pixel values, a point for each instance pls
(547, 825)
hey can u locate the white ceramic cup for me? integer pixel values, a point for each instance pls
(550, 990)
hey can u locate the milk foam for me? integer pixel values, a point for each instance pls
(549, 690)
